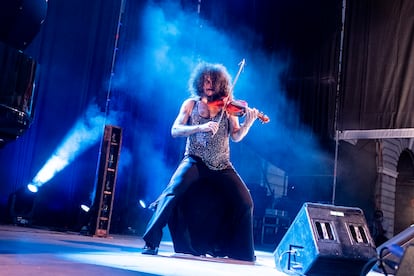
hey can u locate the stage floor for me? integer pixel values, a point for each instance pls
(33, 251)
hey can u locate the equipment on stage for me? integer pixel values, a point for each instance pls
(406, 265)
(20, 21)
(396, 256)
(17, 75)
(326, 240)
(101, 211)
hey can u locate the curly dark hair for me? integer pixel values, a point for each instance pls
(219, 76)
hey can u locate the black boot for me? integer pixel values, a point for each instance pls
(149, 249)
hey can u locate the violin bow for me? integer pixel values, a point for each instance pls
(241, 66)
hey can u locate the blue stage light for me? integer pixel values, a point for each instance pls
(142, 204)
(86, 132)
(32, 188)
(85, 208)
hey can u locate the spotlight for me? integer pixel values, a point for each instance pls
(136, 218)
(142, 204)
(21, 206)
(83, 220)
(85, 208)
(33, 188)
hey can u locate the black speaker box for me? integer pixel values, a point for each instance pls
(325, 240)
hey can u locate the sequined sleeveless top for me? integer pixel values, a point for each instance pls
(213, 150)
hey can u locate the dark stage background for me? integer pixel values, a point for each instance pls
(89, 75)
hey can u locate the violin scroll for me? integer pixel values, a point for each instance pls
(263, 117)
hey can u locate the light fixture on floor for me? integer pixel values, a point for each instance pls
(21, 206)
(85, 208)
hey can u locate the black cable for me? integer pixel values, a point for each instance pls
(381, 261)
(365, 269)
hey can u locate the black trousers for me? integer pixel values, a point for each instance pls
(190, 170)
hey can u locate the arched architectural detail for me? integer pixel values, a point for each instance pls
(388, 154)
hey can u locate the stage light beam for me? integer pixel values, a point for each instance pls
(83, 135)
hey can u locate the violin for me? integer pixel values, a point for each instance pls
(238, 108)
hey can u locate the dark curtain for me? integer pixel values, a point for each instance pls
(377, 91)
(74, 51)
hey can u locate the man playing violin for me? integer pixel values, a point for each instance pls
(203, 119)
